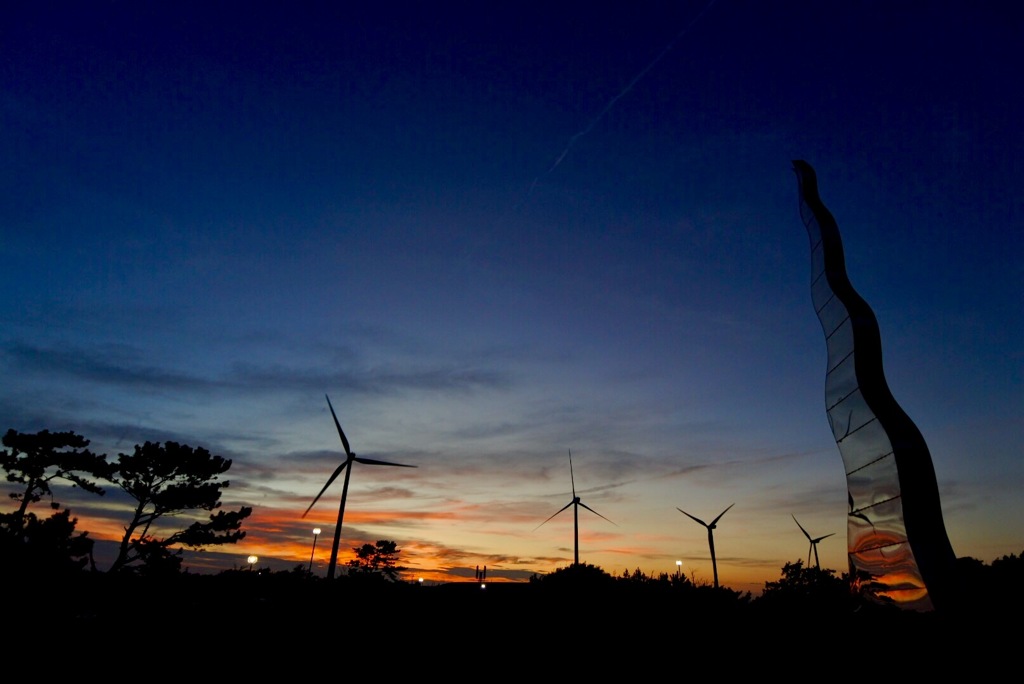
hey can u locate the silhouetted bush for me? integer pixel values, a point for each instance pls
(572, 577)
(809, 591)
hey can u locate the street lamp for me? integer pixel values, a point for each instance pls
(679, 569)
(316, 533)
(252, 562)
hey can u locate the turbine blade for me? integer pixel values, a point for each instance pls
(595, 512)
(815, 541)
(341, 433)
(556, 513)
(571, 478)
(801, 527)
(332, 478)
(373, 461)
(691, 517)
(721, 514)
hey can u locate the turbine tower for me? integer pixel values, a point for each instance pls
(346, 465)
(711, 536)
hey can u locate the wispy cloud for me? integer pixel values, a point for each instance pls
(123, 366)
(108, 365)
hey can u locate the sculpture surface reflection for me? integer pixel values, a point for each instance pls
(896, 532)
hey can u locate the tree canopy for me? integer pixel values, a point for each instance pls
(166, 480)
(380, 559)
(34, 545)
(36, 459)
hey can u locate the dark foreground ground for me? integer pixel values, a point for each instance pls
(261, 627)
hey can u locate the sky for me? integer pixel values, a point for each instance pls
(500, 234)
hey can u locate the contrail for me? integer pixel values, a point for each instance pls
(611, 103)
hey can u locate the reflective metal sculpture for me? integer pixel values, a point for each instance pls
(896, 536)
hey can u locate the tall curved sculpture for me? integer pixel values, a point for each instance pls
(896, 535)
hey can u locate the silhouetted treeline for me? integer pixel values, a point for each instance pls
(799, 591)
(49, 579)
(663, 620)
(162, 480)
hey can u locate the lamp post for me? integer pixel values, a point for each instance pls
(679, 570)
(252, 562)
(316, 533)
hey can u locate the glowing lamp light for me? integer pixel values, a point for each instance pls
(316, 533)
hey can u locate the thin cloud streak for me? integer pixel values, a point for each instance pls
(95, 366)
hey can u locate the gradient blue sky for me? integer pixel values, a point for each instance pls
(497, 232)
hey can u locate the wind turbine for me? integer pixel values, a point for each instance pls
(711, 536)
(575, 503)
(814, 543)
(346, 466)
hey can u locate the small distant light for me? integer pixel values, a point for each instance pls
(483, 586)
(420, 580)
